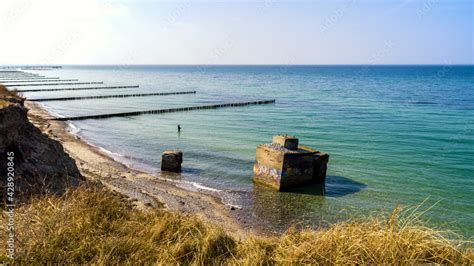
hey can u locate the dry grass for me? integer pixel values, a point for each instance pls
(5, 93)
(92, 225)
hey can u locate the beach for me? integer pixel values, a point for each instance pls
(237, 132)
(143, 188)
(82, 206)
(393, 134)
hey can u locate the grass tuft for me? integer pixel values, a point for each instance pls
(91, 225)
(5, 94)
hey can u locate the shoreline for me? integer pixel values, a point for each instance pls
(144, 189)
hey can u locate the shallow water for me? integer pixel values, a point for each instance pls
(396, 134)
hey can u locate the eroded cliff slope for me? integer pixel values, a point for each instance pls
(40, 163)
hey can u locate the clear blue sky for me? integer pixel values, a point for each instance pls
(237, 32)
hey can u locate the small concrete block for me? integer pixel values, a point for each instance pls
(286, 141)
(171, 161)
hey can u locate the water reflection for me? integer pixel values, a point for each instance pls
(307, 205)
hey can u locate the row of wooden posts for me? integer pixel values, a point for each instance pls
(21, 79)
(111, 96)
(162, 111)
(80, 89)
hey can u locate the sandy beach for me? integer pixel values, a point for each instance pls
(144, 189)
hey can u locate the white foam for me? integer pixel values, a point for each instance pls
(73, 129)
(194, 184)
(113, 154)
(199, 186)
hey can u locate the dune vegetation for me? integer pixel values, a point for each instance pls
(91, 224)
(4, 92)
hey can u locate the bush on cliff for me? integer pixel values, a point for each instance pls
(93, 225)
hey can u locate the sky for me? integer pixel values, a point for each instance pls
(236, 32)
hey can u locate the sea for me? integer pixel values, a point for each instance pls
(398, 136)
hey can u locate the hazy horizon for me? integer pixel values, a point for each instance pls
(267, 32)
(151, 64)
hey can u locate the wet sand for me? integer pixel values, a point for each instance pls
(145, 189)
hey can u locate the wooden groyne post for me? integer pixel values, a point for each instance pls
(36, 80)
(27, 79)
(162, 111)
(21, 76)
(111, 96)
(78, 89)
(55, 84)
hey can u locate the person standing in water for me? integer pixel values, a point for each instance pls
(179, 129)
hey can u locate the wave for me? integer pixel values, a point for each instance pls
(194, 184)
(73, 129)
(111, 153)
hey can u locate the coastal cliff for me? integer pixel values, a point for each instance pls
(40, 163)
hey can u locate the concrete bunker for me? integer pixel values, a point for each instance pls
(285, 164)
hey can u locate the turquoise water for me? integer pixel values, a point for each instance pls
(396, 134)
